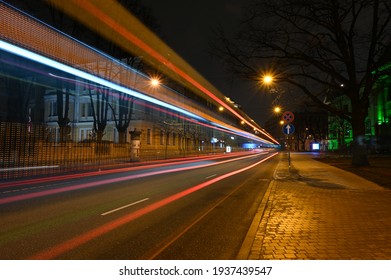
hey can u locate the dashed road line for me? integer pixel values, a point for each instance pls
(123, 207)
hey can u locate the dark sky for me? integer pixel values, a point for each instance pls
(186, 26)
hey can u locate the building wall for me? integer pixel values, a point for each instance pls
(378, 121)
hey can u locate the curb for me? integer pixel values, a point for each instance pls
(248, 241)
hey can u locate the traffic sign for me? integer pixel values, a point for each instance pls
(288, 117)
(288, 129)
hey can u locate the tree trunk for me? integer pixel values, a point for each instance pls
(99, 135)
(121, 135)
(359, 147)
(62, 112)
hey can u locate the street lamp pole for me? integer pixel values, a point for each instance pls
(287, 118)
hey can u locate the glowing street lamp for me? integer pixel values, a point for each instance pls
(267, 79)
(155, 82)
(277, 109)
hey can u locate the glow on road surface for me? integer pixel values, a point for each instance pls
(81, 239)
(108, 181)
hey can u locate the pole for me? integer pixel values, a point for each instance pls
(289, 152)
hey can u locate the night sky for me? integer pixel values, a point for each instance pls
(187, 27)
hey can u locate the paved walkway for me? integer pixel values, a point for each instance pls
(316, 211)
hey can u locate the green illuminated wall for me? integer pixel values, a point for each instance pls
(384, 103)
(378, 122)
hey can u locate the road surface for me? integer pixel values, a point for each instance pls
(189, 209)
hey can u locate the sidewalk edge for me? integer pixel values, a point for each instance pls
(248, 241)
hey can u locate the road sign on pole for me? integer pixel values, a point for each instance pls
(288, 117)
(288, 129)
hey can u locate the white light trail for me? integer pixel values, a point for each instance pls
(70, 70)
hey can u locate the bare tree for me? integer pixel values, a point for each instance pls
(316, 46)
(125, 112)
(99, 106)
(63, 113)
(46, 11)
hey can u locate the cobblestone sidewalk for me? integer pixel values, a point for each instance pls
(315, 211)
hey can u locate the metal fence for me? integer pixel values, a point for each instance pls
(25, 152)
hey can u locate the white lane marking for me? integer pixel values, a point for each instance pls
(28, 168)
(211, 176)
(123, 207)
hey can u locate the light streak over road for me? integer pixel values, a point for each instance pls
(83, 238)
(42, 193)
(121, 27)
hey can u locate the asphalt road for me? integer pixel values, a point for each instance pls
(197, 209)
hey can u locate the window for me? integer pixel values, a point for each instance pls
(148, 110)
(161, 137)
(83, 110)
(53, 108)
(174, 138)
(149, 136)
(89, 108)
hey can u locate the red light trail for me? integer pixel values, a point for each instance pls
(104, 182)
(155, 164)
(77, 241)
(116, 23)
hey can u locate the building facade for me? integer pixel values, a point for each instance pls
(67, 106)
